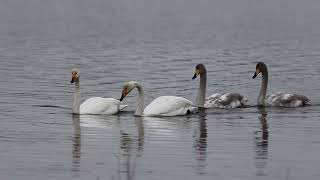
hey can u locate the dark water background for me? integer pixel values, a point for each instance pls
(157, 43)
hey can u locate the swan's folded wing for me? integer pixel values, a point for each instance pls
(286, 100)
(213, 97)
(168, 106)
(226, 100)
(98, 105)
(122, 106)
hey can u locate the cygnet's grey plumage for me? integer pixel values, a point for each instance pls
(225, 100)
(279, 99)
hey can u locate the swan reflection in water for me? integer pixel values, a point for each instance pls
(131, 148)
(99, 121)
(76, 144)
(169, 127)
(91, 122)
(132, 144)
(200, 142)
(261, 143)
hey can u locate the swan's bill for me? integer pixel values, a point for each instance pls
(196, 73)
(124, 94)
(127, 88)
(254, 76)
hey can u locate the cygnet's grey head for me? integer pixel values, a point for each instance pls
(260, 68)
(200, 69)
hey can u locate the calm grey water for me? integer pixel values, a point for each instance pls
(157, 43)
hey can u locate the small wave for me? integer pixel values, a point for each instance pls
(51, 106)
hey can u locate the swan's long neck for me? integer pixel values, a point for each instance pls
(263, 90)
(76, 98)
(202, 90)
(139, 109)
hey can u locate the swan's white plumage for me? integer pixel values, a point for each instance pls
(169, 106)
(226, 100)
(161, 106)
(94, 105)
(286, 100)
(99, 105)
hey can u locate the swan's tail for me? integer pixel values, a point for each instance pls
(122, 106)
(243, 101)
(192, 110)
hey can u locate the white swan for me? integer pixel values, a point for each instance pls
(276, 99)
(161, 106)
(94, 105)
(226, 100)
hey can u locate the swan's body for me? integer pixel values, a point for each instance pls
(94, 105)
(278, 99)
(168, 106)
(226, 100)
(161, 106)
(99, 105)
(286, 100)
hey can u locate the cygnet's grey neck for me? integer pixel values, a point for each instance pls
(264, 86)
(202, 90)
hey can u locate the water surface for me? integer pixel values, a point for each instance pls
(157, 43)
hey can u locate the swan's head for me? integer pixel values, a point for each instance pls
(75, 74)
(260, 67)
(200, 69)
(127, 88)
